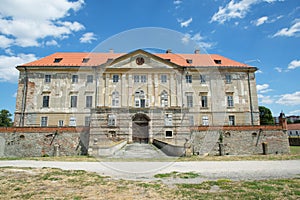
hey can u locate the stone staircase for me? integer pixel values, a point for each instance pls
(208, 141)
(137, 150)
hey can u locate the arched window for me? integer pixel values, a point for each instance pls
(140, 99)
(115, 99)
(164, 99)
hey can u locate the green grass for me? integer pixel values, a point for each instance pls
(295, 150)
(184, 175)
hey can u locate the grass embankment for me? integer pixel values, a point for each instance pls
(27, 183)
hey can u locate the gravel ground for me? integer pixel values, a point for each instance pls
(208, 170)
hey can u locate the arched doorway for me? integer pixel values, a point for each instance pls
(140, 128)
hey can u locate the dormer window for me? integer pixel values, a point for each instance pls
(218, 61)
(85, 60)
(169, 60)
(57, 60)
(189, 61)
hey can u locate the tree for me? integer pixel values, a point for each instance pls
(5, 118)
(265, 116)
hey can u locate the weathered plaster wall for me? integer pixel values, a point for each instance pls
(25, 142)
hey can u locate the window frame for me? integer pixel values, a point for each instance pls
(115, 78)
(75, 78)
(189, 100)
(163, 78)
(204, 101)
(115, 99)
(189, 78)
(73, 102)
(228, 78)
(168, 119)
(89, 78)
(46, 101)
(111, 120)
(44, 121)
(202, 79)
(88, 101)
(231, 120)
(205, 120)
(169, 136)
(47, 78)
(230, 101)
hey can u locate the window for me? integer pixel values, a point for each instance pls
(231, 120)
(85, 60)
(44, 121)
(87, 121)
(189, 99)
(218, 61)
(115, 99)
(143, 78)
(189, 61)
(46, 101)
(204, 101)
(72, 121)
(188, 78)
(136, 78)
(169, 134)
(164, 99)
(202, 79)
(74, 78)
(230, 101)
(89, 78)
(163, 78)
(88, 101)
(111, 120)
(115, 78)
(73, 101)
(205, 121)
(57, 60)
(228, 78)
(47, 78)
(191, 120)
(168, 120)
(140, 99)
(60, 123)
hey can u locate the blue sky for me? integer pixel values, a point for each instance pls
(261, 33)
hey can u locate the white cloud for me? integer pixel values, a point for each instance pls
(51, 43)
(5, 42)
(294, 30)
(289, 99)
(29, 21)
(185, 23)
(264, 88)
(177, 2)
(8, 72)
(261, 21)
(264, 99)
(278, 69)
(88, 37)
(235, 10)
(259, 72)
(294, 112)
(197, 39)
(294, 64)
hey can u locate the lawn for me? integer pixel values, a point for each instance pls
(29, 183)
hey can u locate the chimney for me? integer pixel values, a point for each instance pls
(169, 51)
(111, 50)
(283, 121)
(197, 51)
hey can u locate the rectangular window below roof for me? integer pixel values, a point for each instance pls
(47, 78)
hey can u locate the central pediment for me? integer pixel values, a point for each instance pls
(141, 59)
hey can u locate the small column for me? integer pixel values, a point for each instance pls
(173, 90)
(130, 132)
(130, 92)
(156, 94)
(124, 95)
(150, 89)
(106, 92)
(101, 90)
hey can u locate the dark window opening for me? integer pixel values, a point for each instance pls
(57, 60)
(169, 133)
(85, 60)
(218, 61)
(189, 61)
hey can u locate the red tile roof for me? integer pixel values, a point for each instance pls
(95, 59)
(293, 126)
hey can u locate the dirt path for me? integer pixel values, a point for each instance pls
(208, 170)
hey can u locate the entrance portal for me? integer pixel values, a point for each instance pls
(140, 128)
